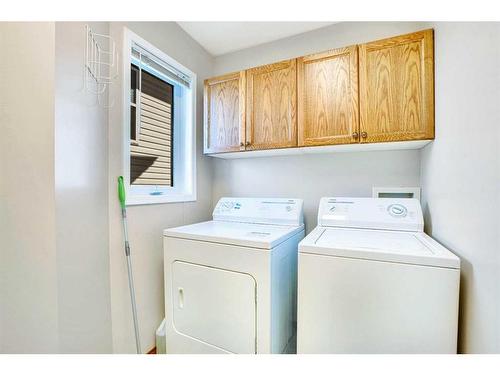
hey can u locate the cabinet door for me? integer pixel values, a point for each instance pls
(396, 80)
(272, 106)
(224, 125)
(327, 85)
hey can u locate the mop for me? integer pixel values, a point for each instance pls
(121, 197)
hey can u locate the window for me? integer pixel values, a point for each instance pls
(159, 125)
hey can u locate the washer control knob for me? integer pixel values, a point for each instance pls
(397, 210)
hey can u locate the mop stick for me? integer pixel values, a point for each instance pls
(121, 197)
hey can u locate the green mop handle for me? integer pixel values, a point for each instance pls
(121, 197)
(121, 192)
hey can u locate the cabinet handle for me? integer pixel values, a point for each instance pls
(355, 135)
(364, 134)
(242, 144)
(247, 143)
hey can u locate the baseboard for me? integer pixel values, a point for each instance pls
(152, 351)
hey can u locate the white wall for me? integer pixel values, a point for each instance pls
(55, 294)
(28, 278)
(81, 185)
(312, 176)
(461, 172)
(146, 223)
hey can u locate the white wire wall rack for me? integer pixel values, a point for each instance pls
(100, 65)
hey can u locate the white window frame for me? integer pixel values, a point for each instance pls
(184, 141)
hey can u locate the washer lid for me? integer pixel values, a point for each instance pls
(262, 236)
(391, 246)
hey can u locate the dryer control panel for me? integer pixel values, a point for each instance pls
(371, 213)
(279, 211)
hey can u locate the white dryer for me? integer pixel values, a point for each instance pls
(231, 283)
(371, 281)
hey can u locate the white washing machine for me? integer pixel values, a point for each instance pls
(231, 283)
(371, 281)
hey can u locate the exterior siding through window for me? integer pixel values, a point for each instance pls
(151, 146)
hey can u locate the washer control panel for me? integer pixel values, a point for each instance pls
(260, 210)
(371, 213)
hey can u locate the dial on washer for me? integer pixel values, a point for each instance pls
(397, 210)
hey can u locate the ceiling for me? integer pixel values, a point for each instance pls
(219, 38)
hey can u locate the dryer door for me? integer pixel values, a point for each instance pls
(215, 306)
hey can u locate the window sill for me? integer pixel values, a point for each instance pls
(136, 200)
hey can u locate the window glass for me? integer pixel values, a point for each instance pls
(151, 128)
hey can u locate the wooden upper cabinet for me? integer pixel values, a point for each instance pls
(224, 113)
(271, 106)
(327, 85)
(396, 80)
(381, 91)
